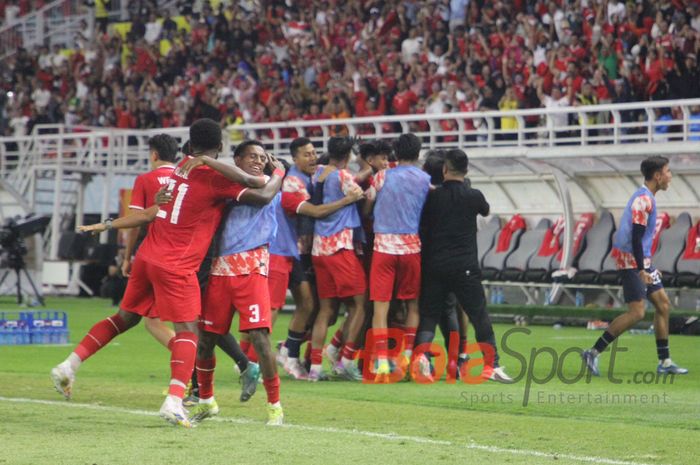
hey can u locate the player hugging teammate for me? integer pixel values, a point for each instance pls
(306, 230)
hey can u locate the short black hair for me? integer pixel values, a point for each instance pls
(457, 161)
(652, 165)
(383, 147)
(205, 134)
(339, 148)
(297, 144)
(240, 148)
(187, 148)
(407, 147)
(165, 146)
(434, 162)
(368, 149)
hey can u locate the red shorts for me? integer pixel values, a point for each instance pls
(247, 294)
(155, 292)
(389, 273)
(339, 275)
(278, 279)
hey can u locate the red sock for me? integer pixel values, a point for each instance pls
(272, 387)
(182, 362)
(381, 342)
(409, 336)
(316, 356)
(337, 340)
(100, 335)
(349, 350)
(205, 377)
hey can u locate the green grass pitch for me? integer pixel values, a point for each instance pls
(112, 417)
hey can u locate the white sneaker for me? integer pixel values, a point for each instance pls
(500, 376)
(332, 353)
(282, 356)
(424, 368)
(174, 413)
(63, 378)
(295, 369)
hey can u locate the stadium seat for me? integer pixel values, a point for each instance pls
(671, 246)
(598, 245)
(486, 236)
(688, 265)
(507, 241)
(583, 225)
(539, 267)
(609, 274)
(530, 242)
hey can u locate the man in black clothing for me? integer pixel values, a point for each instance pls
(450, 259)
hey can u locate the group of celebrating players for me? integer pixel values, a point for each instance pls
(316, 228)
(394, 243)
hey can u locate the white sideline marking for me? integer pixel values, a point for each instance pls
(323, 429)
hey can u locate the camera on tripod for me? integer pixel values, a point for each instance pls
(12, 235)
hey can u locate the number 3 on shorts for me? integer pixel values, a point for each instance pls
(254, 313)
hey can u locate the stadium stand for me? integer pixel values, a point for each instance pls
(318, 60)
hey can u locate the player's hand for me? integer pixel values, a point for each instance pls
(126, 268)
(92, 228)
(190, 164)
(646, 277)
(355, 193)
(273, 163)
(163, 196)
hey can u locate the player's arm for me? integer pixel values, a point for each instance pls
(264, 195)
(641, 208)
(376, 184)
(230, 172)
(132, 236)
(138, 218)
(325, 209)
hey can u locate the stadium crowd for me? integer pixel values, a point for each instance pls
(252, 61)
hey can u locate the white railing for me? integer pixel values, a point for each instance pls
(58, 152)
(97, 149)
(57, 22)
(626, 123)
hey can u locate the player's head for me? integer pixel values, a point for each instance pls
(407, 147)
(250, 156)
(186, 148)
(339, 149)
(434, 162)
(657, 170)
(205, 137)
(162, 147)
(375, 154)
(304, 155)
(456, 164)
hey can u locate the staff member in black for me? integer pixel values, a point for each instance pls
(450, 258)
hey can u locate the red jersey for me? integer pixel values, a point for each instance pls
(147, 185)
(180, 235)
